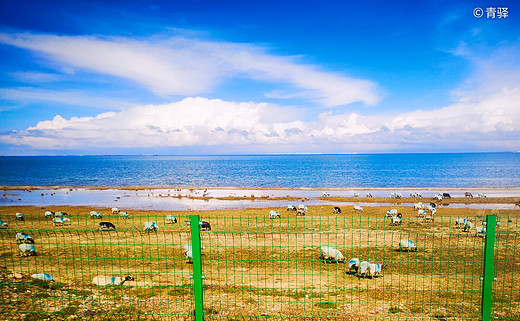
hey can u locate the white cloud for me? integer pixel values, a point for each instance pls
(180, 66)
(491, 122)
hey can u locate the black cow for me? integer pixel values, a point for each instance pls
(106, 226)
(433, 205)
(446, 195)
(336, 209)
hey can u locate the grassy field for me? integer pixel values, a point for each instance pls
(256, 268)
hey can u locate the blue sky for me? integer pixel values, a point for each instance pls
(218, 77)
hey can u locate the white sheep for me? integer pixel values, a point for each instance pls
(421, 213)
(302, 207)
(124, 215)
(407, 245)
(418, 206)
(396, 220)
(391, 213)
(467, 226)
(375, 269)
(95, 214)
(115, 210)
(102, 280)
(363, 267)
(3, 225)
(353, 265)
(170, 219)
(19, 217)
(49, 214)
(358, 208)
(42, 276)
(480, 231)
(188, 252)
(24, 238)
(461, 222)
(331, 255)
(274, 214)
(151, 226)
(27, 250)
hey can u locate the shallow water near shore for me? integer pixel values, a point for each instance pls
(192, 199)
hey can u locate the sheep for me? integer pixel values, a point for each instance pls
(374, 269)
(363, 268)
(205, 225)
(396, 220)
(60, 214)
(3, 225)
(421, 213)
(300, 212)
(43, 277)
(467, 226)
(336, 210)
(396, 195)
(49, 214)
(124, 215)
(480, 231)
(274, 214)
(369, 194)
(188, 252)
(94, 214)
(24, 238)
(468, 194)
(19, 217)
(102, 280)
(407, 245)
(115, 210)
(325, 194)
(353, 265)
(170, 219)
(460, 222)
(418, 206)
(355, 195)
(27, 250)
(60, 221)
(391, 213)
(106, 226)
(358, 208)
(482, 195)
(151, 226)
(433, 210)
(291, 208)
(331, 255)
(302, 207)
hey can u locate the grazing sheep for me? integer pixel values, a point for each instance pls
(363, 268)
(467, 226)
(396, 220)
(369, 194)
(391, 213)
(300, 212)
(418, 206)
(358, 208)
(421, 213)
(59, 221)
(94, 214)
(102, 280)
(433, 205)
(3, 225)
(407, 245)
(291, 208)
(19, 217)
(106, 226)
(396, 195)
(331, 255)
(353, 265)
(437, 197)
(60, 214)
(336, 210)
(468, 194)
(461, 222)
(170, 219)
(27, 250)
(274, 214)
(206, 226)
(115, 210)
(375, 269)
(480, 231)
(49, 214)
(43, 277)
(151, 226)
(356, 195)
(325, 194)
(124, 215)
(482, 195)
(302, 207)
(24, 238)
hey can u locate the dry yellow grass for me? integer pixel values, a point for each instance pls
(255, 267)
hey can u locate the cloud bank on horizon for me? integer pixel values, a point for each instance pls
(303, 107)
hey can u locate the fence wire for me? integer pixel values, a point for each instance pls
(256, 268)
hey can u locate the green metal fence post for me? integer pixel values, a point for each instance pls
(197, 267)
(489, 253)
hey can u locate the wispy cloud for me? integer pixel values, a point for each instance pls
(181, 66)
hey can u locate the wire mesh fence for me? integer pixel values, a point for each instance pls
(256, 268)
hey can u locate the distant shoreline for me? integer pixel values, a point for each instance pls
(139, 188)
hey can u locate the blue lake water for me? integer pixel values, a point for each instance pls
(454, 170)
